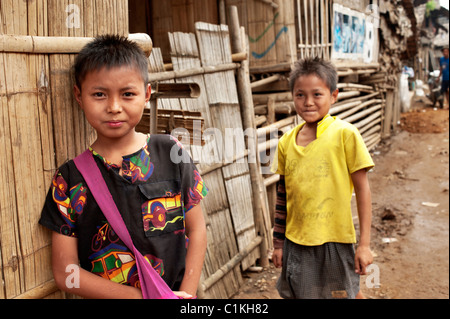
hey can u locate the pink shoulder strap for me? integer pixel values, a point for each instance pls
(152, 285)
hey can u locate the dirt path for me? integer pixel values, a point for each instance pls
(410, 193)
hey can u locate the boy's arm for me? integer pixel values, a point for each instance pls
(87, 284)
(196, 232)
(279, 229)
(363, 256)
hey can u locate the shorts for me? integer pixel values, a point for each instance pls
(444, 86)
(318, 272)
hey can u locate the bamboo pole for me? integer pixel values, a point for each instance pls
(39, 292)
(271, 180)
(263, 131)
(272, 68)
(59, 45)
(359, 115)
(357, 108)
(299, 19)
(171, 75)
(345, 95)
(354, 86)
(262, 98)
(343, 107)
(265, 81)
(260, 120)
(369, 119)
(247, 110)
(357, 65)
(305, 7)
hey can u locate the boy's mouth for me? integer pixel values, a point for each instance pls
(114, 123)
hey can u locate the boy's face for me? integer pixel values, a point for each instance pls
(113, 100)
(312, 98)
(445, 53)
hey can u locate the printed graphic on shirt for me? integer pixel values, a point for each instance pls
(138, 168)
(105, 234)
(156, 263)
(116, 263)
(197, 192)
(162, 215)
(69, 206)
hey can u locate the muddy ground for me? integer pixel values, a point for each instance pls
(410, 229)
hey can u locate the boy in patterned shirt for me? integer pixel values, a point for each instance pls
(157, 196)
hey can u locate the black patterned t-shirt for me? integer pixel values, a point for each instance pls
(158, 185)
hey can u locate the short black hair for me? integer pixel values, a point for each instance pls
(324, 69)
(109, 51)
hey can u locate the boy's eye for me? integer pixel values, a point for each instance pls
(98, 94)
(129, 94)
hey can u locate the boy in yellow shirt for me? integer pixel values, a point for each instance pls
(320, 162)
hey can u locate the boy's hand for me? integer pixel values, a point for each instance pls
(277, 257)
(363, 258)
(182, 294)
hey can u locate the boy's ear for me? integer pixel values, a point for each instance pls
(334, 96)
(77, 94)
(148, 92)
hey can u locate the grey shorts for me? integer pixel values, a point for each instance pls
(318, 272)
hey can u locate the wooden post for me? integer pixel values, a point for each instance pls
(247, 112)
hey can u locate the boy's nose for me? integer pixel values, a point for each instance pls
(309, 101)
(114, 105)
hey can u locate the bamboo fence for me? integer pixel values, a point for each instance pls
(313, 25)
(41, 127)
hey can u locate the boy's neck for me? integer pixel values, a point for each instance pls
(307, 134)
(114, 149)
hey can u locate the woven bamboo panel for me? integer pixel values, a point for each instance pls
(41, 127)
(222, 243)
(214, 47)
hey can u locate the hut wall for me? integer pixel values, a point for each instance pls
(41, 128)
(271, 30)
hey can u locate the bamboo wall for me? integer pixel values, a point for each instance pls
(40, 128)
